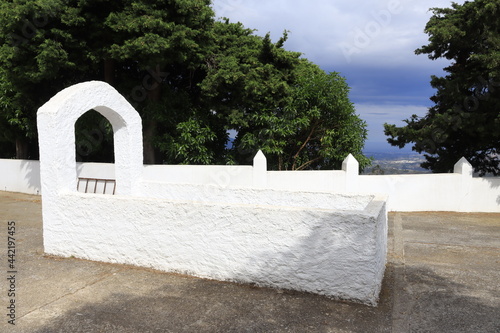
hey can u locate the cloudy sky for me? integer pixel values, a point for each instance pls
(371, 43)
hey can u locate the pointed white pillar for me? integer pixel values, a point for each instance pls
(463, 167)
(351, 167)
(260, 170)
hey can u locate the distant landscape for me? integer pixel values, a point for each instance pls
(395, 163)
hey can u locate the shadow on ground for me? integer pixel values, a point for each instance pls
(442, 276)
(210, 306)
(439, 305)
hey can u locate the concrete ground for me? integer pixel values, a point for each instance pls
(443, 275)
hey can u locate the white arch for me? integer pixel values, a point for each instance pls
(56, 133)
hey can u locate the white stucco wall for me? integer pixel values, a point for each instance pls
(56, 135)
(426, 192)
(96, 170)
(308, 181)
(483, 195)
(338, 253)
(433, 192)
(258, 197)
(318, 231)
(20, 176)
(215, 222)
(219, 175)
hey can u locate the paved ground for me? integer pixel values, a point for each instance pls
(443, 275)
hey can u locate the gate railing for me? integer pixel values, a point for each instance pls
(96, 185)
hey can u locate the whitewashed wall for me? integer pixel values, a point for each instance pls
(216, 222)
(436, 192)
(220, 175)
(427, 192)
(329, 251)
(20, 176)
(310, 231)
(327, 181)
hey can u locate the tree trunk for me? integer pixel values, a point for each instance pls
(109, 71)
(154, 94)
(22, 149)
(149, 150)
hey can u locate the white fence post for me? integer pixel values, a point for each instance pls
(351, 168)
(260, 170)
(464, 168)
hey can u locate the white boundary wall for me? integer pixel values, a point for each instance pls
(323, 232)
(458, 192)
(216, 222)
(333, 252)
(20, 176)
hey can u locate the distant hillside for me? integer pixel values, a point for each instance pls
(395, 163)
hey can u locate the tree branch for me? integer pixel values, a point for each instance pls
(304, 144)
(303, 166)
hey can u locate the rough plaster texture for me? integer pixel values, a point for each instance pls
(323, 181)
(267, 197)
(56, 134)
(20, 176)
(220, 175)
(95, 170)
(351, 168)
(407, 193)
(332, 252)
(260, 170)
(319, 242)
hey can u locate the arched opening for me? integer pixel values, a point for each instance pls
(56, 131)
(94, 138)
(94, 146)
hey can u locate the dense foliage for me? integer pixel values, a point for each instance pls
(465, 120)
(192, 78)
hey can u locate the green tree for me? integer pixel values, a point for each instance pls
(465, 120)
(297, 114)
(190, 77)
(247, 86)
(8, 133)
(41, 53)
(324, 127)
(19, 95)
(167, 42)
(151, 51)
